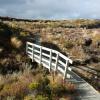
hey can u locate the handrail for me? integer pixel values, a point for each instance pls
(45, 56)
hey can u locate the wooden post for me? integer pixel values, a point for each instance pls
(68, 75)
(56, 62)
(26, 47)
(66, 67)
(50, 60)
(32, 53)
(69, 68)
(40, 54)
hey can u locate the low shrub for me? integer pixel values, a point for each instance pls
(33, 85)
(29, 97)
(68, 44)
(24, 34)
(58, 90)
(44, 86)
(41, 97)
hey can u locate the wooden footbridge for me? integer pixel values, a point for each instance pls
(57, 62)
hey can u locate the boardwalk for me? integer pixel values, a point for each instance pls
(54, 60)
(84, 89)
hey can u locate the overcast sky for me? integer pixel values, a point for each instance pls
(50, 9)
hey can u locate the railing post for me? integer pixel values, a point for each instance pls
(66, 67)
(68, 75)
(32, 53)
(26, 47)
(57, 61)
(50, 59)
(40, 54)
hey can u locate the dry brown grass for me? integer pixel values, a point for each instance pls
(17, 43)
(24, 34)
(15, 85)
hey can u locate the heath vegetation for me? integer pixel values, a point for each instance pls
(20, 79)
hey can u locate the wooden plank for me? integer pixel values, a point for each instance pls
(29, 48)
(36, 51)
(37, 60)
(38, 46)
(29, 43)
(45, 60)
(63, 56)
(45, 65)
(60, 69)
(29, 52)
(54, 51)
(37, 56)
(47, 55)
(30, 56)
(62, 63)
(53, 57)
(47, 49)
(66, 58)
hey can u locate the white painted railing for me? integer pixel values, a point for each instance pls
(49, 58)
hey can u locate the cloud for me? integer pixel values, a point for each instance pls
(50, 9)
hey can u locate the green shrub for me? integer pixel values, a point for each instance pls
(24, 34)
(41, 97)
(43, 87)
(58, 90)
(11, 97)
(45, 81)
(33, 85)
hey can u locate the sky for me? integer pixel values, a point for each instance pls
(50, 9)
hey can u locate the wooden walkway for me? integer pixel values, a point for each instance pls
(53, 60)
(85, 90)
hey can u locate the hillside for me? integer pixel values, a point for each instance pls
(78, 39)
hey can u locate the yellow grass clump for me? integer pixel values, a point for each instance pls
(17, 43)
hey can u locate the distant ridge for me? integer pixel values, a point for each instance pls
(7, 18)
(68, 23)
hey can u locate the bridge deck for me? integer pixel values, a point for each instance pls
(85, 90)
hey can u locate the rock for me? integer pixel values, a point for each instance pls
(87, 41)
